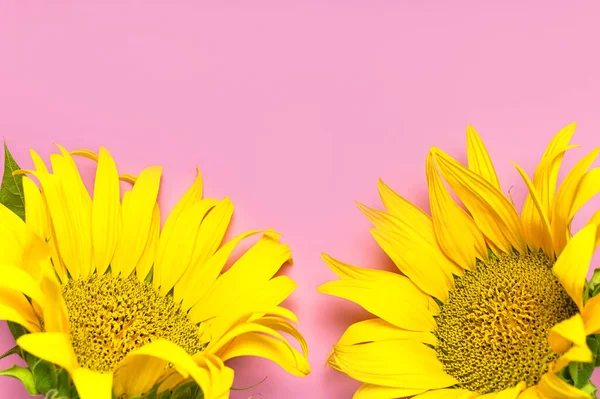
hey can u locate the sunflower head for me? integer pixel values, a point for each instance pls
(113, 305)
(489, 302)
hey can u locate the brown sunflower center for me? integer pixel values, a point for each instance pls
(111, 316)
(493, 330)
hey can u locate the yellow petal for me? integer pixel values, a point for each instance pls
(137, 220)
(14, 236)
(35, 209)
(530, 393)
(53, 347)
(26, 319)
(89, 154)
(479, 159)
(92, 385)
(573, 263)
(136, 375)
(211, 375)
(177, 222)
(495, 216)
(78, 204)
(510, 393)
(536, 226)
(175, 251)
(208, 239)
(378, 363)
(591, 316)
(552, 386)
(204, 276)
(39, 164)
(410, 251)
(388, 295)
(66, 234)
(406, 211)
(379, 330)
(149, 255)
(587, 188)
(128, 178)
(546, 173)
(106, 211)
(563, 203)
(456, 232)
(255, 267)
(260, 340)
(568, 338)
(221, 315)
(370, 391)
(448, 394)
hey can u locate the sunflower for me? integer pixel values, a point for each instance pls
(124, 307)
(489, 303)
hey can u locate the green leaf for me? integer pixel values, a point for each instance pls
(11, 191)
(590, 389)
(63, 384)
(12, 351)
(594, 283)
(44, 375)
(582, 372)
(22, 374)
(16, 329)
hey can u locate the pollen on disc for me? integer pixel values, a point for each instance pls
(111, 316)
(493, 330)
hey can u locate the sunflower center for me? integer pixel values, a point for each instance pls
(111, 316)
(493, 330)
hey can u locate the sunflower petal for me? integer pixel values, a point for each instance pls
(591, 316)
(536, 226)
(479, 159)
(219, 317)
(568, 337)
(572, 265)
(509, 393)
(261, 340)
(176, 246)
(204, 276)
(395, 300)
(137, 220)
(208, 370)
(546, 173)
(552, 386)
(106, 211)
(35, 209)
(562, 208)
(370, 391)
(91, 384)
(405, 210)
(495, 216)
(149, 255)
(78, 202)
(377, 363)
(53, 347)
(456, 232)
(255, 267)
(448, 394)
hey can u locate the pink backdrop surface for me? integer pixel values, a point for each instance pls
(295, 111)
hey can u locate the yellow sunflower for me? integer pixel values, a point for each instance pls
(125, 307)
(488, 304)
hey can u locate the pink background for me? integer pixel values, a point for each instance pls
(295, 110)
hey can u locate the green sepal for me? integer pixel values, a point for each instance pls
(15, 350)
(16, 330)
(44, 375)
(590, 389)
(22, 374)
(594, 284)
(11, 191)
(64, 386)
